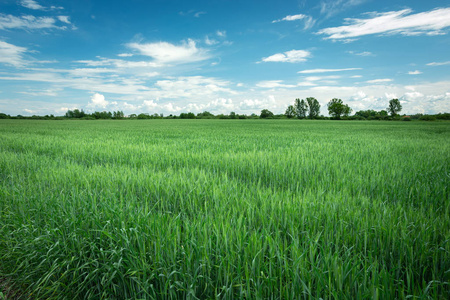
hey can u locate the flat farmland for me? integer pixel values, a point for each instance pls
(228, 209)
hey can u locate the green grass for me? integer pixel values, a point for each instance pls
(225, 209)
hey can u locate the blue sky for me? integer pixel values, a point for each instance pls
(221, 55)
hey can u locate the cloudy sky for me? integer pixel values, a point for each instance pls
(167, 56)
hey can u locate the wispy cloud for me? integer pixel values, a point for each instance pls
(221, 33)
(11, 54)
(376, 81)
(326, 70)
(192, 12)
(274, 84)
(31, 22)
(332, 7)
(416, 72)
(439, 63)
(309, 21)
(64, 19)
(364, 53)
(165, 52)
(293, 56)
(31, 4)
(393, 22)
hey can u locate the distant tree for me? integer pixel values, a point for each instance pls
(301, 108)
(394, 107)
(132, 116)
(143, 116)
(233, 115)
(118, 115)
(205, 115)
(69, 114)
(265, 113)
(314, 107)
(4, 116)
(337, 108)
(290, 112)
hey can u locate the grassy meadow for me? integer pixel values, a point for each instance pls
(227, 209)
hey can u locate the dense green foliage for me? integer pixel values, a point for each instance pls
(225, 209)
(394, 107)
(337, 108)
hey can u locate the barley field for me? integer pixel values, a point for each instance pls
(225, 209)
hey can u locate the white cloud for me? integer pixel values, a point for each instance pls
(393, 22)
(31, 4)
(165, 52)
(379, 80)
(416, 72)
(118, 63)
(11, 54)
(439, 63)
(198, 14)
(28, 22)
(309, 21)
(210, 42)
(192, 86)
(332, 7)
(326, 70)
(64, 19)
(98, 100)
(319, 78)
(221, 33)
(125, 55)
(293, 56)
(364, 53)
(273, 84)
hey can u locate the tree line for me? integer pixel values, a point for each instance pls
(308, 108)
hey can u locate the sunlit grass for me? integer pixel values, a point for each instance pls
(225, 209)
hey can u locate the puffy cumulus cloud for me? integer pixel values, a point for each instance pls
(12, 55)
(416, 72)
(293, 56)
(98, 100)
(165, 52)
(394, 22)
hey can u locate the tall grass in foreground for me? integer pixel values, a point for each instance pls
(225, 209)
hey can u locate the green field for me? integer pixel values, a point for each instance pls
(229, 209)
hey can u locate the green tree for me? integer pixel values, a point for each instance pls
(300, 108)
(290, 112)
(394, 107)
(313, 106)
(265, 113)
(118, 114)
(337, 108)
